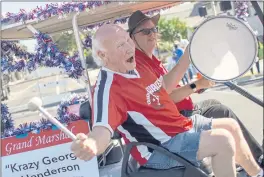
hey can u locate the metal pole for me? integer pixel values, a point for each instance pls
(244, 93)
(214, 9)
(258, 10)
(80, 49)
(34, 31)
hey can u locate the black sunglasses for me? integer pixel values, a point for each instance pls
(147, 31)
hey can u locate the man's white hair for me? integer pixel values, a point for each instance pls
(96, 46)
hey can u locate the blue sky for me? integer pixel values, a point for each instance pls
(14, 7)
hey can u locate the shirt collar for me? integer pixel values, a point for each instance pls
(129, 76)
(143, 56)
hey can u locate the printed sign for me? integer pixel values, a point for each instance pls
(45, 154)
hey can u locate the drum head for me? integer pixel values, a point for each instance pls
(223, 48)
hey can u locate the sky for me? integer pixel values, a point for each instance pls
(14, 7)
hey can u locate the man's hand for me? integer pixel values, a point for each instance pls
(203, 83)
(87, 147)
(84, 148)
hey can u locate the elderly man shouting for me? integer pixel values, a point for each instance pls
(134, 102)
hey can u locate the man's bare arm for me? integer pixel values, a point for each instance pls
(178, 94)
(173, 77)
(101, 136)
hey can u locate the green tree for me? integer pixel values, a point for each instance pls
(65, 42)
(169, 28)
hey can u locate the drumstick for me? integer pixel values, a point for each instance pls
(36, 104)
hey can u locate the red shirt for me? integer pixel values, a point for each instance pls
(156, 66)
(138, 107)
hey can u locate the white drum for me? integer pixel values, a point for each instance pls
(223, 48)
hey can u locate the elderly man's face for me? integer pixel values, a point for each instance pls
(119, 53)
(147, 42)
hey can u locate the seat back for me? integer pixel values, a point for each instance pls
(134, 170)
(85, 112)
(112, 154)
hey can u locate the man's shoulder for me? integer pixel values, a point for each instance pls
(107, 81)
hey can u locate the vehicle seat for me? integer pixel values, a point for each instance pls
(113, 154)
(189, 170)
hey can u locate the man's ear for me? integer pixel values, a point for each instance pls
(102, 55)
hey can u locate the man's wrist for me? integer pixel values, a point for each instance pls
(193, 86)
(198, 86)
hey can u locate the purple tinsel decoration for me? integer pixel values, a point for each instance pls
(8, 129)
(49, 55)
(23, 128)
(241, 10)
(47, 52)
(50, 10)
(45, 124)
(10, 48)
(7, 123)
(63, 116)
(63, 113)
(88, 42)
(31, 64)
(74, 67)
(20, 65)
(53, 9)
(122, 20)
(4, 64)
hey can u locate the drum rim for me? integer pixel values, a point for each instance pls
(230, 17)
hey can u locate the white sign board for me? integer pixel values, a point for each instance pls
(45, 154)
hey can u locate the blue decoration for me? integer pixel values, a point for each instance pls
(47, 55)
(88, 42)
(11, 47)
(50, 10)
(7, 123)
(63, 116)
(63, 113)
(241, 10)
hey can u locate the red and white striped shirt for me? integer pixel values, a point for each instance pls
(138, 107)
(156, 66)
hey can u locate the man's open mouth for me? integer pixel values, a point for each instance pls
(130, 60)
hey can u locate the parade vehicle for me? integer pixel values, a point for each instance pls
(116, 161)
